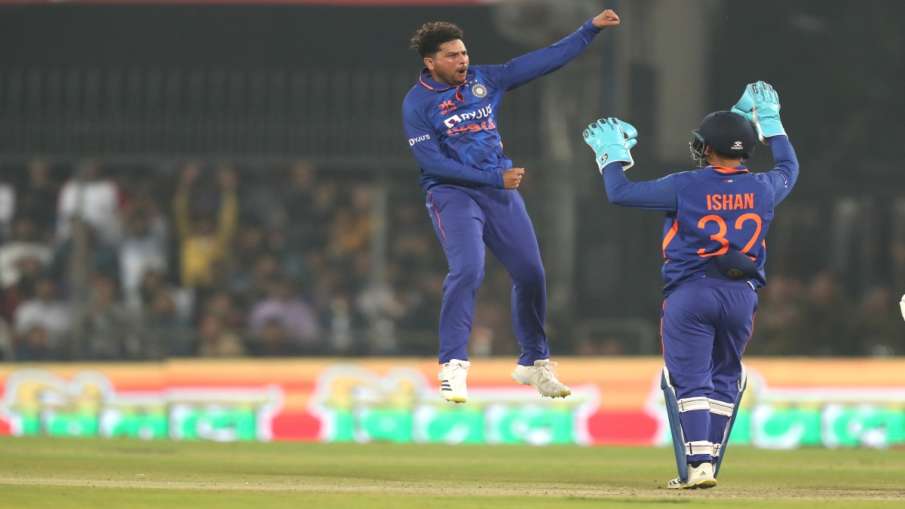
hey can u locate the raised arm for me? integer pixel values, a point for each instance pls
(228, 216)
(785, 170)
(611, 140)
(181, 199)
(657, 194)
(529, 66)
(434, 162)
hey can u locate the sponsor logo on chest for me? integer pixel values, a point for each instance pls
(484, 112)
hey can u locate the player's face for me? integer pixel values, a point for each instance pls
(450, 63)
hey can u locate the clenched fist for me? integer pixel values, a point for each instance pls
(512, 178)
(607, 18)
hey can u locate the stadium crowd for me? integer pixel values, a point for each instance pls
(205, 259)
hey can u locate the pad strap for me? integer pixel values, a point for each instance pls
(721, 408)
(698, 447)
(695, 403)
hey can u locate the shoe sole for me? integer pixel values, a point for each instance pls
(455, 398)
(700, 485)
(563, 394)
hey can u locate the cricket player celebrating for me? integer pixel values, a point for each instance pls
(717, 218)
(449, 117)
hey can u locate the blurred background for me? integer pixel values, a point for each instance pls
(232, 180)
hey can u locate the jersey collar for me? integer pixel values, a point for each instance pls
(426, 81)
(725, 170)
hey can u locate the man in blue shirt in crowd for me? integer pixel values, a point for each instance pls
(449, 117)
(714, 248)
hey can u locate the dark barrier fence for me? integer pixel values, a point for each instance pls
(318, 113)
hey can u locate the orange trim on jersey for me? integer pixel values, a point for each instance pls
(671, 234)
(426, 85)
(729, 171)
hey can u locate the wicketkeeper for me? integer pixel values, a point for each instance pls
(717, 218)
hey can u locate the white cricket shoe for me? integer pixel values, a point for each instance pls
(541, 376)
(699, 477)
(452, 380)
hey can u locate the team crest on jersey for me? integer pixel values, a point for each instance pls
(478, 90)
(446, 107)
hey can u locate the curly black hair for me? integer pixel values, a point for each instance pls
(430, 36)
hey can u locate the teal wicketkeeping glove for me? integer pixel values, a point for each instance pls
(760, 104)
(611, 140)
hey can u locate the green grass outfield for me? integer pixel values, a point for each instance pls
(98, 473)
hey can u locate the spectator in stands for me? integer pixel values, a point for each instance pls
(110, 330)
(260, 255)
(222, 304)
(379, 303)
(30, 271)
(24, 249)
(154, 282)
(217, 339)
(271, 339)
(266, 268)
(143, 247)
(284, 307)
(352, 226)
(205, 236)
(43, 321)
(419, 293)
(92, 197)
(412, 246)
(332, 298)
(248, 246)
(164, 329)
(36, 197)
(340, 332)
(311, 203)
(166, 312)
(292, 262)
(87, 250)
(34, 344)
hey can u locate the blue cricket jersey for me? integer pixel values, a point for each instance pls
(710, 210)
(452, 130)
